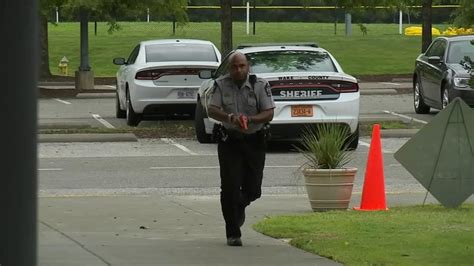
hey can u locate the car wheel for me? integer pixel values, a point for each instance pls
(353, 140)
(133, 119)
(119, 113)
(418, 101)
(445, 97)
(199, 126)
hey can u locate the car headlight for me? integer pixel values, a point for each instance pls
(461, 82)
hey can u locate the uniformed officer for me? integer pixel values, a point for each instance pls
(239, 96)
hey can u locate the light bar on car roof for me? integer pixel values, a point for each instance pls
(248, 45)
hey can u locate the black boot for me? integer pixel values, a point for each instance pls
(234, 242)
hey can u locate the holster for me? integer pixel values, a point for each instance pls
(219, 133)
(267, 135)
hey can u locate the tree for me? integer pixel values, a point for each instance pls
(465, 14)
(426, 35)
(426, 14)
(226, 26)
(108, 9)
(45, 7)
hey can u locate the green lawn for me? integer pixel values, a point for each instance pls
(382, 51)
(429, 235)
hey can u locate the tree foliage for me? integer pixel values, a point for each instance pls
(464, 15)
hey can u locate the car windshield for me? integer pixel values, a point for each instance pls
(460, 51)
(290, 61)
(180, 52)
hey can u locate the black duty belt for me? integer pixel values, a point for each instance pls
(236, 135)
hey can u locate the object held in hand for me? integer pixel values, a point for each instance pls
(243, 121)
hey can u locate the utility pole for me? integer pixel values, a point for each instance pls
(18, 140)
(84, 75)
(254, 14)
(348, 24)
(335, 18)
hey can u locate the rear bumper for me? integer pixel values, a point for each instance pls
(344, 110)
(169, 109)
(148, 98)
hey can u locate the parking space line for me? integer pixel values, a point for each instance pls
(406, 117)
(50, 169)
(102, 121)
(214, 167)
(183, 167)
(179, 146)
(61, 101)
(365, 144)
(110, 86)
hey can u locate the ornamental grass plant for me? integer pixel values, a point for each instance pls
(325, 146)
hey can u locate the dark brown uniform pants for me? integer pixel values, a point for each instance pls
(241, 163)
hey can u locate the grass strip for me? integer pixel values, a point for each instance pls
(418, 235)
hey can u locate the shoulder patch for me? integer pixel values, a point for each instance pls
(268, 89)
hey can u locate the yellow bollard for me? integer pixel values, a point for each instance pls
(63, 66)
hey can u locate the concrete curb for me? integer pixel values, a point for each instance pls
(69, 125)
(98, 95)
(112, 137)
(378, 92)
(398, 133)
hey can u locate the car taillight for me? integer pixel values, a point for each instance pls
(345, 86)
(148, 75)
(154, 74)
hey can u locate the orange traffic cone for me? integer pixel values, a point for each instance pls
(373, 193)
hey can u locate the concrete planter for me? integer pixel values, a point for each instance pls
(329, 189)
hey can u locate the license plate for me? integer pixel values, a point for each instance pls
(186, 94)
(302, 111)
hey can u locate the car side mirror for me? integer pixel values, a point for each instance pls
(434, 60)
(119, 61)
(205, 74)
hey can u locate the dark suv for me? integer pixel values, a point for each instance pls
(444, 73)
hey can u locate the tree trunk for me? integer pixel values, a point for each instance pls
(226, 26)
(44, 71)
(426, 37)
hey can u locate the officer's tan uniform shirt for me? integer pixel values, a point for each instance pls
(244, 100)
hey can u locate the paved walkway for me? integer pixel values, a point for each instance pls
(168, 230)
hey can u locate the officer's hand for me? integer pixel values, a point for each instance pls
(234, 120)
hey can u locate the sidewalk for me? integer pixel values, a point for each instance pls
(176, 230)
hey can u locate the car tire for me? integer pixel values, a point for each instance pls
(353, 140)
(199, 126)
(418, 101)
(133, 119)
(445, 100)
(119, 113)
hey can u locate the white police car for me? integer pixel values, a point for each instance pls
(308, 86)
(160, 77)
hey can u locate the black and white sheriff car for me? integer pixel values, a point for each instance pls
(307, 84)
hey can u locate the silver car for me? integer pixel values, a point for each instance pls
(161, 77)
